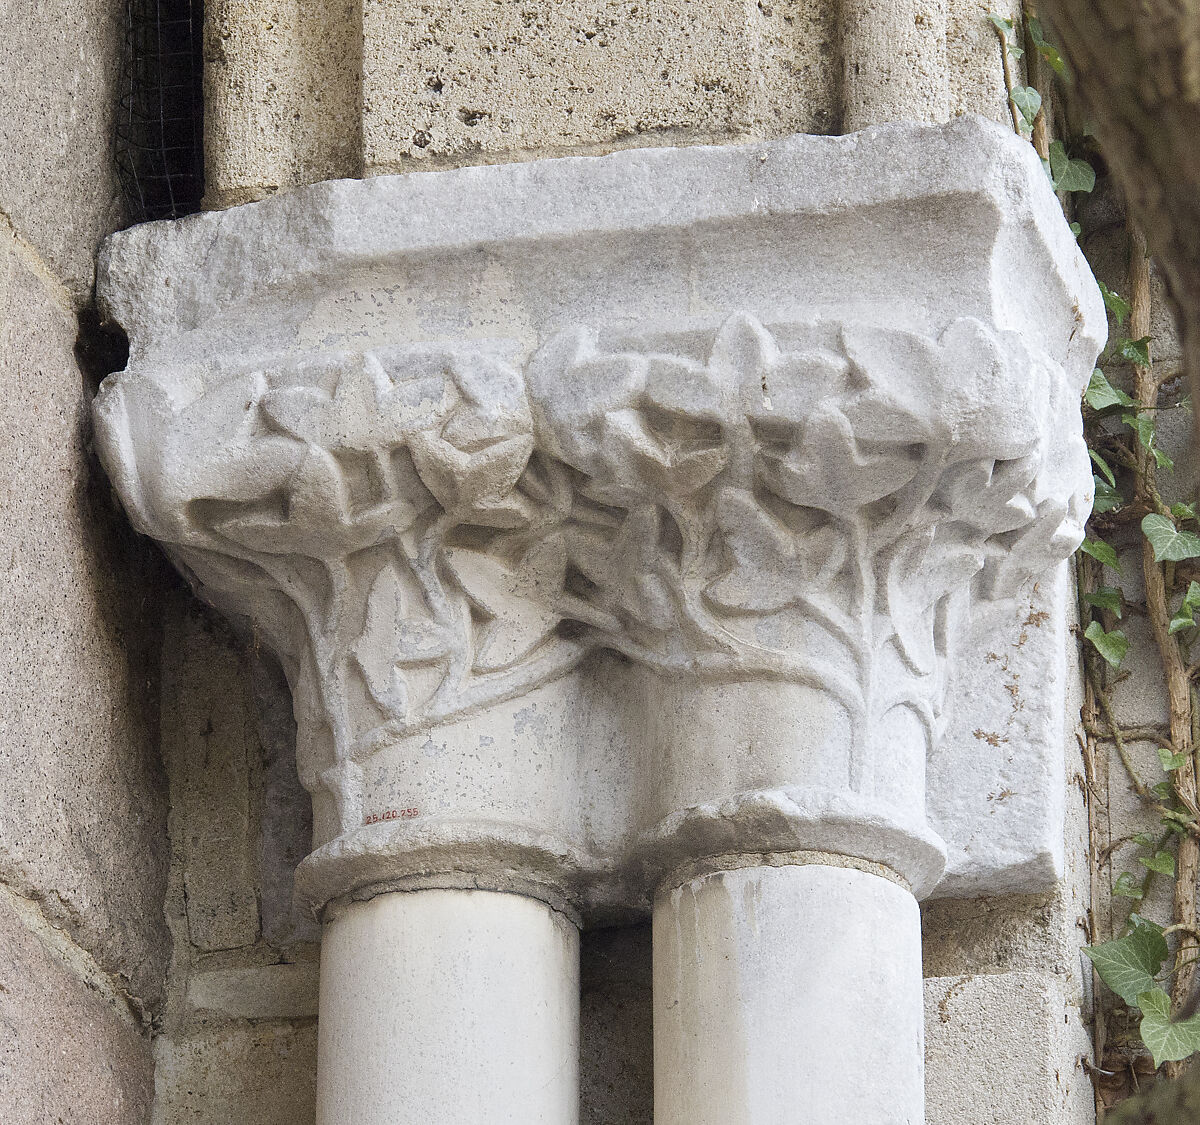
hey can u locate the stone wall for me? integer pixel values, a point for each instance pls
(297, 93)
(83, 945)
(1137, 691)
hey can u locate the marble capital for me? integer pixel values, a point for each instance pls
(612, 514)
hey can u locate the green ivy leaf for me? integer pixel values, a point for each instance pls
(1185, 616)
(1102, 465)
(1107, 498)
(1171, 762)
(1069, 173)
(1047, 50)
(1101, 552)
(1169, 543)
(1135, 919)
(1115, 303)
(1028, 101)
(1164, 462)
(1166, 1041)
(1176, 820)
(1135, 351)
(1163, 790)
(1183, 511)
(1129, 965)
(1112, 646)
(1145, 841)
(1102, 395)
(1143, 425)
(1127, 886)
(1076, 230)
(1003, 23)
(1162, 862)
(1106, 597)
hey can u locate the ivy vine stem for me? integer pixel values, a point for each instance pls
(1175, 667)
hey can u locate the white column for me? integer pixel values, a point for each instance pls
(788, 996)
(449, 1007)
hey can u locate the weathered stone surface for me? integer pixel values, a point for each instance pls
(974, 72)
(58, 178)
(893, 62)
(476, 992)
(211, 747)
(66, 1053)
(277, 992)
(243, 1073)
(1000, 808)
(1004, 1049)
(283, 102)
(82, 799)
(285, 836)
(628, 327)
(616, 1033)
(777, 988)
(466, 83)
(300, 94)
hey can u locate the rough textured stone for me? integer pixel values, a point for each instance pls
(211, 747)
(243, 1073)
(283, 101)
(296, 94)
(616, 1033)
(278, 992)
(479, 81)
(299, 94)
(60, 79)
(894, 62)
(1004, 1049)
(974, 71)
(82, 800)
(67, 1054)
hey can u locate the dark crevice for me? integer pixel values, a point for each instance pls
(160, 158)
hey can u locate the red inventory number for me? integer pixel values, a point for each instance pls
(391, 814)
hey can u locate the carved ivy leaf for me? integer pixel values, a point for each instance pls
(494, 405)
(922, 568)
(632, 573)
(392, 637)
(475, 487)
(745, 353)
(768, 569)
(366, 412)
(318, 519)
(667, 467)
(826, 469)
(520, 600)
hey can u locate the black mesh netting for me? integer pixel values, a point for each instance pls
(159, 144)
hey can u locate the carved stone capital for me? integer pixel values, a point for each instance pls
(610, 514)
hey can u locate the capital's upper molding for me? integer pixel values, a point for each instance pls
(784, 414)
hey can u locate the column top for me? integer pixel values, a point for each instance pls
(929, 210)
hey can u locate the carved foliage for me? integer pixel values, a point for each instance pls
(440, 529)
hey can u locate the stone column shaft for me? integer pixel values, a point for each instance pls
(893, 62)
(788, 995)
(443, 1007)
